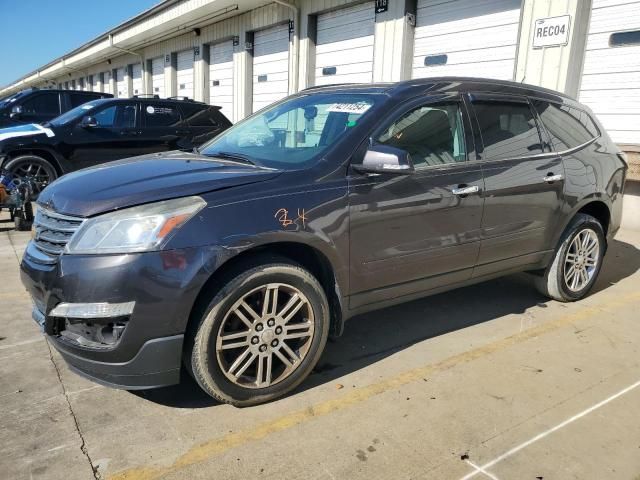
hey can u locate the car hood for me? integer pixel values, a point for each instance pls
(146, 179)
(26, 130)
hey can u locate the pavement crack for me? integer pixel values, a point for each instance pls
(83, 444)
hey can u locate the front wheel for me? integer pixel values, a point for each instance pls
(261, 335)
(38, 169)
(577, 261)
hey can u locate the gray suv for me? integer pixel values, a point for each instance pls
(239, 259)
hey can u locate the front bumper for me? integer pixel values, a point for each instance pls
(164, 287)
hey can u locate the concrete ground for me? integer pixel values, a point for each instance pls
(491, 381)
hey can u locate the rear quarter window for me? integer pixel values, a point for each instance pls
(202, 117)
(568, 127)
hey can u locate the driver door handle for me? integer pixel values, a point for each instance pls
(552, 178)
(465, 190)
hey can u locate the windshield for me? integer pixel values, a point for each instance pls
(6, 101)
(75, 113)
(295, 133)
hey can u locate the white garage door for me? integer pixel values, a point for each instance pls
(611, 76)
(221, 77)
(157, 76)
(121, 85)
(106, 82)
(185, 74)
(466, 37)
(136, 81)
(270, 66)
(344, 45)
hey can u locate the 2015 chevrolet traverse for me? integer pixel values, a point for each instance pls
(239, 260)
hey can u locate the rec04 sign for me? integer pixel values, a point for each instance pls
(551, 31)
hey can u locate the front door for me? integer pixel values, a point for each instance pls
(116, 136)
(524, 182)
(415, 232)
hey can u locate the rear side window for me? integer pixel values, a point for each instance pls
(197, 116)
(508, 129)
(568, 127)
(77, 99)
(42, 104)
(162, 115)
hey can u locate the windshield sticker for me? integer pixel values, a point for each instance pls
(351, 123)
(25, 131)
(355, 108)
(151, 110)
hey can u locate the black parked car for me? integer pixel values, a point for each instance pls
(104, 130)
(38, 106)
(240, 260)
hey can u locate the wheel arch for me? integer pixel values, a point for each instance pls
(45, 153)
(307, 256)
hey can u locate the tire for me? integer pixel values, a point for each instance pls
(558, 282)
(228, 369)
(32, 165)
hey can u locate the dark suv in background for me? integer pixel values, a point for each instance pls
(38, 106)
(105, 130)
(240, 259)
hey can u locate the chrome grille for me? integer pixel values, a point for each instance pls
(53, 231)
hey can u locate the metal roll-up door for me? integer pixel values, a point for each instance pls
(221, 77)
(136, 78)
(466, 37)
(185, 73)
(106, 82)
(270, 66)
(157, 76)
(344, 45)
(121, 84)
(611, 75)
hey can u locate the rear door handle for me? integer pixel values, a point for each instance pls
(553, 178)
(465, 190)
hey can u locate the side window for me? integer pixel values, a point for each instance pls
(78, 99)
(42, 104)
(508, 130)
(197, 116)
(432, 134)
(568, 127)
(162, 115)
(117, 116)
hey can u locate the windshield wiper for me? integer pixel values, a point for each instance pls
(232, 156)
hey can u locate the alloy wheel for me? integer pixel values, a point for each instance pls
(38, 173)
(265, 335)
(581, 260)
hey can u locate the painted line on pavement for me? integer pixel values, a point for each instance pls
(202, 452)
(548, 432)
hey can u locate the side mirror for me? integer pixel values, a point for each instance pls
(385, 159)
(88, 122)
(16, 111)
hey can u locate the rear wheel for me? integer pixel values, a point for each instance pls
(32, 166)
(577, 261)
(261, 335)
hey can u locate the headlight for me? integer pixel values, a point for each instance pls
(137, 229)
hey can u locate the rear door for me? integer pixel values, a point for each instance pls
(411, 233)
(163, 127)
(524, 183)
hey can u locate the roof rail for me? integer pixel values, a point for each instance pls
(184, 99)
(146, 95)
